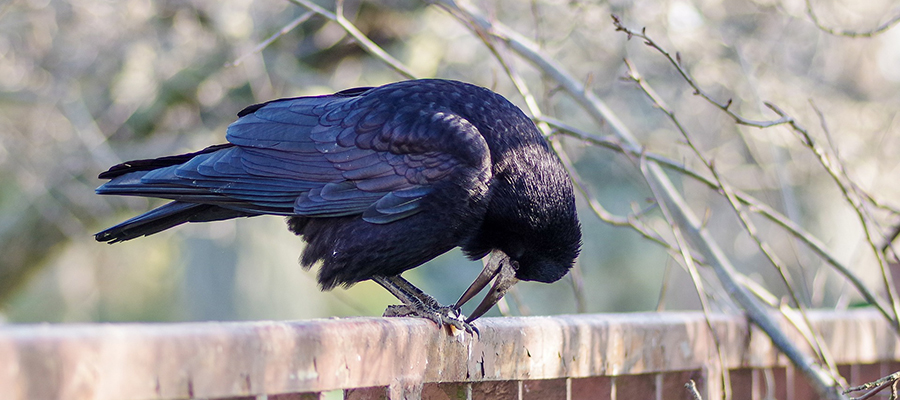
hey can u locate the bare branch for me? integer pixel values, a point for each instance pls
(836, 171)
(821, 380)
(877, 386)
(701, 238)
(692, 270)
(739, 209)
(265, 43)
(676, 62)
(367, 44)
(691, 387)
(753, 204)
(830, 166)
(848, 33)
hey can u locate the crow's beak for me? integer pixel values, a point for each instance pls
(499, 268)
(491, 266)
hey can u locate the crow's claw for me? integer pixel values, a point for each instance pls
(441, 315)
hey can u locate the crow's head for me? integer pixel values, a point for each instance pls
(531, 225)
(531, 217)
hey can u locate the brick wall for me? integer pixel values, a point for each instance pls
(598, 356)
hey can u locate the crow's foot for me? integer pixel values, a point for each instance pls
(418, 304)
(442, 315)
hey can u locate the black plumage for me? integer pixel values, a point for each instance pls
(378, 181)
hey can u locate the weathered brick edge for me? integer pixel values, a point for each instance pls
(233, 359)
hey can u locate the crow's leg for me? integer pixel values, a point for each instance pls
(417, 303)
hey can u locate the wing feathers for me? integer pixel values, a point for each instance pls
(355, 153)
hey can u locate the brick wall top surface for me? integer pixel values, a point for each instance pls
(121, 361)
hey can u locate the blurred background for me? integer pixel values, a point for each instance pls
(85, 84)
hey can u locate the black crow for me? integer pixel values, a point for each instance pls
(379, 180)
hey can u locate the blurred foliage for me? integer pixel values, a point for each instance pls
(85, 84)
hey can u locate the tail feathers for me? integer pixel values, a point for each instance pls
(165, 217)
(156, 163)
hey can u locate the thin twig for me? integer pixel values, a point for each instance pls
(753, 205)
(876, 386)
(516, 297)
(821, 381)
(367, 44)
(737, 206)
(889, 238)
(848, 33)
(534, 108)
(835, 170)
(664, 287)
(265, 43)
(694, 274)
(807, 141)
(676, 61)
(691, 387)
(707, 246)
(839, 165)
(857, 190)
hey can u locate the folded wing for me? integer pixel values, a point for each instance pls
(353, 153)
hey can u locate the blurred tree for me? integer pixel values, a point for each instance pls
(86, 84)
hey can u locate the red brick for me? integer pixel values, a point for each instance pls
(673, 384)
(499, 390)
(846, 371)
(742, 384)
(596, 387)
(444, 391)
(296, 396)
(892, 366)
(802, 389)
(635, 387)
(865, 373)
(372, 393)
(548, 389)
(772, 383)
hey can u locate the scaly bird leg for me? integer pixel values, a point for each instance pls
(417, 303)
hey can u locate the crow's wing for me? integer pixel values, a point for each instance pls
(355, 152)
